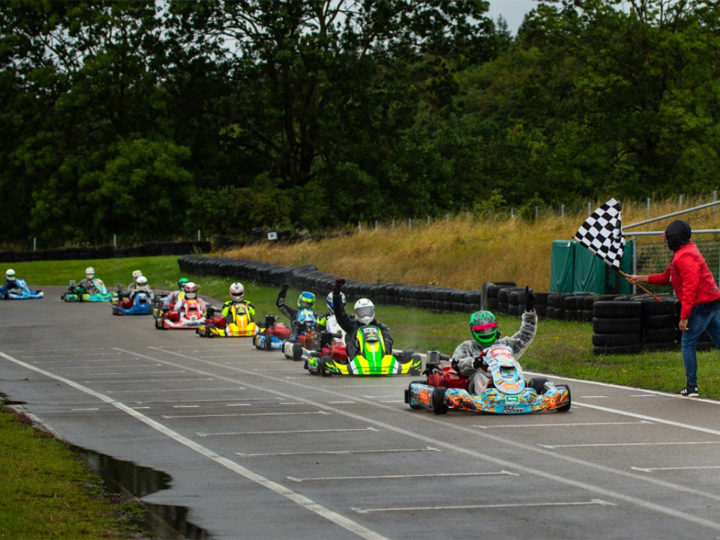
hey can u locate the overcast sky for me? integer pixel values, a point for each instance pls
(512, 11)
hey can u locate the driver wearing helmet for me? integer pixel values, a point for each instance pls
(329, 319)
(364, 314)
(306, 305)
(135, 275)
(10, 280)
(237, 297)
(10, 284)
(141, 285)
(169, 300)
(88, 284)
(468, 356)
(190, 293)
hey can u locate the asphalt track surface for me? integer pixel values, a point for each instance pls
(259, 449)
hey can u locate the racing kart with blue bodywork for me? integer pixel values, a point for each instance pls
(307, 337)
(20, 292)
(372, 358)
(271, 335)
(99, 293)
(240, 323)
(141, 304)
(505, 392)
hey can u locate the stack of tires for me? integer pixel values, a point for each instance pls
(660, 324)
(617, 326)
(490, 291)
(556, 306)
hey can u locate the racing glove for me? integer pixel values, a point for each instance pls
(479, 362)
(338, 284)
(529, 299)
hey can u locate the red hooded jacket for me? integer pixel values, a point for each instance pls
(690, 277)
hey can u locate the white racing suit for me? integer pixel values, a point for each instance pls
(465, 354)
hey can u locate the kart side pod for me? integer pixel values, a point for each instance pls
(422, 396)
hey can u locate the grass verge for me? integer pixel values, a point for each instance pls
(47, 491)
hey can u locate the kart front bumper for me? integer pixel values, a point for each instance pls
(438, 399)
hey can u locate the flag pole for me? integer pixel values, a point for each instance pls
(626, 276)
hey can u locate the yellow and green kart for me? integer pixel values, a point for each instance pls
(372, 359)
(238, 322)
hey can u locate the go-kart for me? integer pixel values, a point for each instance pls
(215, 324)
(272, 335)
(139, 305)
(507, 391)
(191, 316)
(307, 338)
(372, 359)
(76, 293)
(21, 292)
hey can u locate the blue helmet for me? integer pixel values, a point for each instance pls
(306, 300)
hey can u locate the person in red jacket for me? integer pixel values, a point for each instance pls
(698, 293)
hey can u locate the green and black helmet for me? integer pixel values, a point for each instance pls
(484, 328)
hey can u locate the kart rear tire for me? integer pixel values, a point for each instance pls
(323, 371)
(538, 384)
(268, 342)
(297, 352)
(407, 394)
(566, 408)
(438, 400)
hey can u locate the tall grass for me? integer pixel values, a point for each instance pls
(461, 251)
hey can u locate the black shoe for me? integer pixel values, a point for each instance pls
(689, 391)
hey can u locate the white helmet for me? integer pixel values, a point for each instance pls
(89, 272)
(237, 291)
(10, 274)
(329, 301)
(141, 281)
(136, 274)
(191, 290)
(364, 311)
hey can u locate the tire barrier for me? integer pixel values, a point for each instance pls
(617, 326)
(621, 324)
(106, 252)
(308, 277)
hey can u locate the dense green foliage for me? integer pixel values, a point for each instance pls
(151, 120)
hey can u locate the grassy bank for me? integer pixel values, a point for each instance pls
(47, 492)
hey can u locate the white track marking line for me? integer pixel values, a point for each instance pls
(669, 511)
(184, 390)
(167, 417)
(125, 381)
(340, 452)
(593, 502)
(633, 388)
(605, 445)
(283, 432)
(689, 468)
(263, 481)
(654, 419)
(569, 424)
(398, 476)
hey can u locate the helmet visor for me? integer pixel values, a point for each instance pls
(484, 333)
(365, 314)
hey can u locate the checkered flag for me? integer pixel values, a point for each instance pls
(602, 233)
